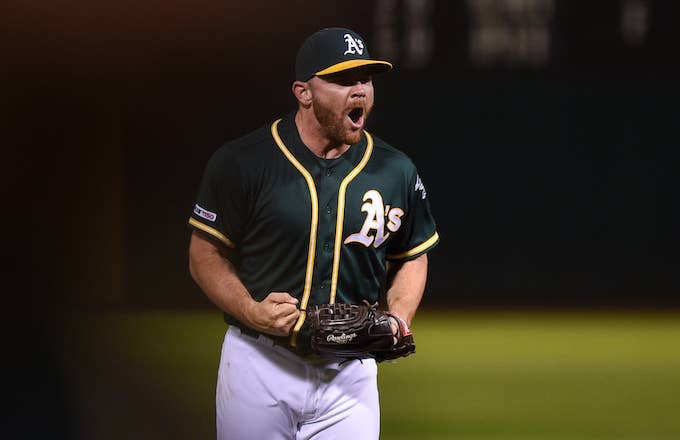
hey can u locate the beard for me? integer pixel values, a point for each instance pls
(335, 124)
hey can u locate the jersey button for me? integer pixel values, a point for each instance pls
(329, 211)
(326, 247)
(328, 172)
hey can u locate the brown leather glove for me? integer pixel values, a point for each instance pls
(358, 331)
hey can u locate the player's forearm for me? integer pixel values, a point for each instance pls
(407, 287)
(217, 278)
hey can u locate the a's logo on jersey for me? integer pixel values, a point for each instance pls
(420, 187)
(373, 230)
(205, 213)
(354, 46)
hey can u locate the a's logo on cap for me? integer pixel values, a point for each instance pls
(354, 46)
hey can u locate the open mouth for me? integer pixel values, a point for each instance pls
(356, 114)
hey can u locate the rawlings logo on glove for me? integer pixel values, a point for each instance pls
(342, 339)
(358, 331)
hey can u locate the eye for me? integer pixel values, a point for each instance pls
(365, 79)
(361, 76)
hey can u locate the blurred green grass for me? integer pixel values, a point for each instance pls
(476, 375)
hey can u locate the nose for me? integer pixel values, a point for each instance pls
(359, 89)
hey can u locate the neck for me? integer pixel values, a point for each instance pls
(314, 138)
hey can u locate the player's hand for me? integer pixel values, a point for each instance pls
(274, 315)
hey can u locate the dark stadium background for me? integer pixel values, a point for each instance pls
(554, 184)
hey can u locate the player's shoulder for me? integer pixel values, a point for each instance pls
(249, 147)
(382, 147)
(383, 150)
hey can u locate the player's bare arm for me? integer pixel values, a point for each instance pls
(407, 285)
(216, 276)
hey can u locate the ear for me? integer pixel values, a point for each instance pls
(302, 93)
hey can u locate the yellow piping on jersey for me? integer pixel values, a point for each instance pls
(421, 247)
(212, 231)
(312, 231)
(341, 214)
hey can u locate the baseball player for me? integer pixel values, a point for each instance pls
(309, 209)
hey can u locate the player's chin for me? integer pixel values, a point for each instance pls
(353, 131)
(353, 136)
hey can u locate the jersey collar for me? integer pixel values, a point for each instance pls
(291, 137)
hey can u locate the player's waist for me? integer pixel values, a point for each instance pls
(283, 341)
(281, 344)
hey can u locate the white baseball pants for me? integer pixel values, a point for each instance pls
(265, 392)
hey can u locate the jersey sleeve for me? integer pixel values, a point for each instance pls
(220, 204)
(418, 233)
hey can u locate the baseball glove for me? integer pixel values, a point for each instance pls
(358, 331)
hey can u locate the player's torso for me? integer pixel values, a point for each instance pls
(319, 228)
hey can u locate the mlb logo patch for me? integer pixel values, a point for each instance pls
(205, 213)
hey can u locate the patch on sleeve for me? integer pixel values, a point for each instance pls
(420, 187)
(205, 213)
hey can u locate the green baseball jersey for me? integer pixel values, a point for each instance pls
(319, 229)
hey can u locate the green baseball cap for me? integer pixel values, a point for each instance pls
(332, 50)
